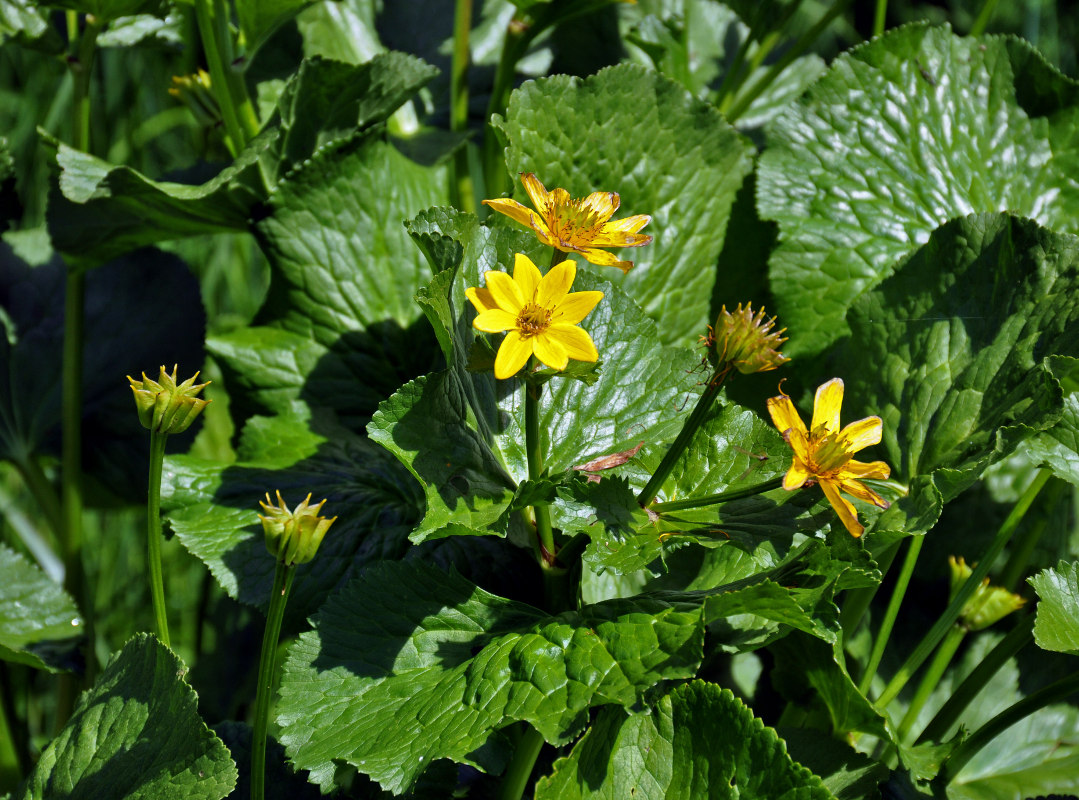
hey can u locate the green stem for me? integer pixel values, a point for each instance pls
(282, 583)
(933, 674)
(890, 614)
(154, 536)
(733, 77)
(973, 684)
(460, 180)
(212, 29)
(801, 45)
(14, 754)
(534, 449)
(878, 17)
(519, 771)
(982, 22)
(715, 499)
(1053, 693)
(43, 493)
(1019, 557)
(674, 452)
(951, 613)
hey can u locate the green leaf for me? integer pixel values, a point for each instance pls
(129, 31)
(23, 22)
(1056, 627)
(812, 672)
(327, 100)
(846, 773)
(39, 623)
(132, 324)
(1058, 447)
(344, 31)
(637, 133)
(410, 665)
(213, 507)
(259, 18)
(699, 741)
(136, 734)
(901, 135)
(108, 10)
(462, 433)
(339, 326)
(103, 210)
(958, 370)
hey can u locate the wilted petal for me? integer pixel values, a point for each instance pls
(785, 415)
(862, 434)
(843, 507)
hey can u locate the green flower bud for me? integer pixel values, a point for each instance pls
(293, 536)
(744, 340)
(988, 604)
(163, 405)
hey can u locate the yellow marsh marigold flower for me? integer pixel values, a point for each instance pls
(539, 313)
(823, 453)
(293, 536)
(745, 341)
(579, 226)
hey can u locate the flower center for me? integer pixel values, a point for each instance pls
(574, 225)
(533, 319)
(826, 453)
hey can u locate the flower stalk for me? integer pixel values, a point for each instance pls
(515, 779)
(534, 450)
(925, 647)
(891, 613)
(154, 536)
(461, 188)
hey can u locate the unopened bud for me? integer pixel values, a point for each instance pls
(293, 536)
(744, 340)
(163, 405)
(988, 604)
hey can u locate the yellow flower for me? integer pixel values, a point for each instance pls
(579, 226)
(539, 314)
(823, 453)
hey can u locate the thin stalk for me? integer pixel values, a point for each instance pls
(209, 27)
(933, 674)
(982, 22)
(1053, 693)
(43, 493)
(520, 769)
(951, 613)
(461, 180)
(692, 423)
(878, 17)
(856, 601)
(973, 684)
(282, 584)
(716, 499)
(732, 78)
(534, 449)
(1019, 557)
(154, 536)
(14, 753)
(800, 46)
(890, 614)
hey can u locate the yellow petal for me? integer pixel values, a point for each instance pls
(862, 492)
(549, 350)
(785, 415)
(602, 204)
(603, 258)
(605, 239)
(860, 469)
(575, 341)
(554, 286)
(526, 276)
(512, 355)
(558, 198)
(537, 193)
(494, 320)
(481, 298)
(519, 213)
(843, 507)
(826, 405)
(861, 434)
(575, 307)
(796, 476)
(505, 292)
(799, 445)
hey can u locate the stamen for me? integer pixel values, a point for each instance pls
(533, 319)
